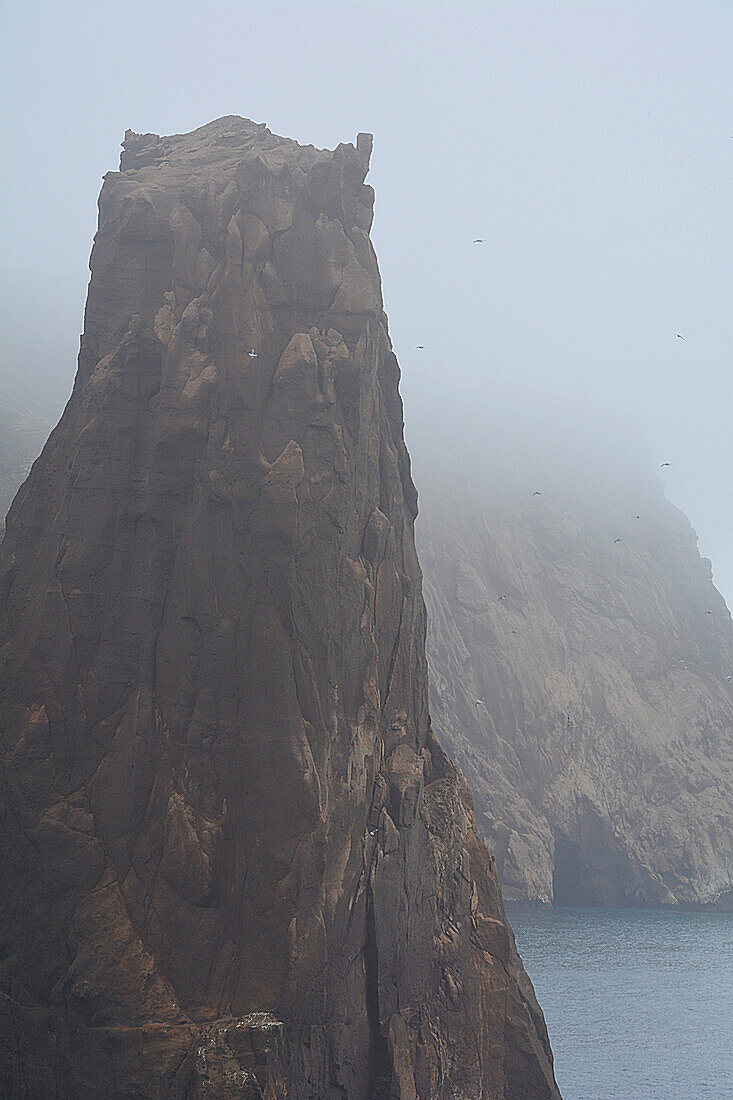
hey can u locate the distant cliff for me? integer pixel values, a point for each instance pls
(580, 674)
(235, 860)
(22, 434)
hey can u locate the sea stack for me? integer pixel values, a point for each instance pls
(235, 860)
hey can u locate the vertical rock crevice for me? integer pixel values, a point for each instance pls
(380, 1063)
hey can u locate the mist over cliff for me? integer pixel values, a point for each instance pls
(587, 145)
(580, 655)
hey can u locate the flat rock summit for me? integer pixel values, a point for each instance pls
(235, 860)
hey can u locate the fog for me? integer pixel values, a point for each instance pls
(589, 146)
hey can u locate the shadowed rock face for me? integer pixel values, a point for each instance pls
(601, 751)
(236, 861)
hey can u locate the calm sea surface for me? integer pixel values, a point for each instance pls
(639, 1005)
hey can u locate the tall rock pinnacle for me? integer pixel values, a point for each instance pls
(235, 860)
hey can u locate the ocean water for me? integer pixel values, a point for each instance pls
(639, 1004)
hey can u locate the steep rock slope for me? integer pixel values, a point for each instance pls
(236, 861)
(580, 662)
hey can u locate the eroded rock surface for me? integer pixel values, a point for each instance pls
(235, 859)
(580, 664)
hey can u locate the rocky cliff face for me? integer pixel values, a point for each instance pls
(581, 665)
(236, 861)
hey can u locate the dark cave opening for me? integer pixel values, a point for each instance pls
(594, 874)
(567, 874)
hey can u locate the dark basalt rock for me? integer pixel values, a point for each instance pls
(235, 860)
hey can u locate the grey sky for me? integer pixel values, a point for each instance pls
(589, 144)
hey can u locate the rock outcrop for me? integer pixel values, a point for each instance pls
(235, 860)
(580, 663)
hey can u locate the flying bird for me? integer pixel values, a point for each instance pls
(479, 240)
(420, 347)
(708, 612)
(664, 464)
(502, 597)
(480, 703)
(637, 517)
(252, 354)
(536, 493)
(678, 336)
(618, 540)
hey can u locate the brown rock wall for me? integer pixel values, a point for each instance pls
(225, 812)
